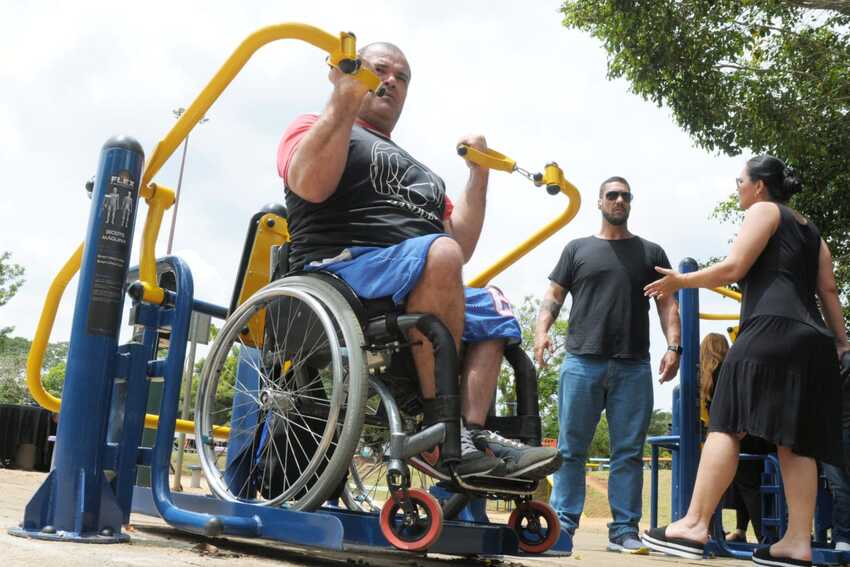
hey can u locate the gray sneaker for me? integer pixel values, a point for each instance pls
(628, 543)
(473, 462)
(521, 461)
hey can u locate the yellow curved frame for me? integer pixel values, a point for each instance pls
(553, 175)
(159, 199)
(725, 292)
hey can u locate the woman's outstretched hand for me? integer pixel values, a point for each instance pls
(668, 285)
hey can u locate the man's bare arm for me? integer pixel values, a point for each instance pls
(319, 160)
(668, 313)
(550, 308)
(468, 216)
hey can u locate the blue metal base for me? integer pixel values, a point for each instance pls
(42, 521)
(289, 526)
(331, 527)
(744, 551)
(564, 545)
(458, 538)
(51, 535)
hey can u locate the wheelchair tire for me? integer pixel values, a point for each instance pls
(297, 401)
(424, 527)
(536, 525)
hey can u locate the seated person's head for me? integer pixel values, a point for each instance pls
(390, 64)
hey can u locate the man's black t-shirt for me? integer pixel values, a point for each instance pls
(610, 314)
(383, 198)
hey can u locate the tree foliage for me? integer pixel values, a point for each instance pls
(11, 279)
(13, 363)
(749, 76)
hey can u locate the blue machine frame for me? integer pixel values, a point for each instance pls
(686, 439)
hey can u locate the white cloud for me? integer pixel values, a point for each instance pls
(74, 74)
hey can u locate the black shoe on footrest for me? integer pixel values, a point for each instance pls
(473, 462)
(521, 461)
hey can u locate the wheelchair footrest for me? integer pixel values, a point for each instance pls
(491, 486)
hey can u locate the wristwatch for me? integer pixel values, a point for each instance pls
(675, 348)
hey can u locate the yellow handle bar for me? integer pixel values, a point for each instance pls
(719, 317)
(726, 292)
(554, 180)
(490, 159)
(342, 53)
(159, 200)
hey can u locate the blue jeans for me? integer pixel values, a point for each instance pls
(623, 388)
(839, 485)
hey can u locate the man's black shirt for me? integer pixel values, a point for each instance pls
(610, 314)
(384, 197)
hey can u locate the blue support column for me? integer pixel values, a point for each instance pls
(76, 502)
(676, 460)
(689, 426)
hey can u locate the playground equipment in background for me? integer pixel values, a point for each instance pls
(90, 493)
(686, 439)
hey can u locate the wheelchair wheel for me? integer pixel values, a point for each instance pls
(287, 375)
(414, 526)
(537, 526)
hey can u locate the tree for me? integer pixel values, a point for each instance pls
(11, 279)
(745, 75)
(547, 378)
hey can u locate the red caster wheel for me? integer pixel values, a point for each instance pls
(415, 529)
(537, 526)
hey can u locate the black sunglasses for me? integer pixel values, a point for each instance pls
(614, 195)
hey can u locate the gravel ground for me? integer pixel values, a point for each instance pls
(155, 543)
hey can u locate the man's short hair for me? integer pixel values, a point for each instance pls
(385, 45)
(614, 179)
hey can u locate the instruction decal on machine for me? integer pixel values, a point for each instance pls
(113, 250)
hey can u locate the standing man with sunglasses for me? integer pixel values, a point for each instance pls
(607, 365)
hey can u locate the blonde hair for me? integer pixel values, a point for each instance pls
(712, 351)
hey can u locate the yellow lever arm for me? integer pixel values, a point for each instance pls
(159, 199)
(490, 159)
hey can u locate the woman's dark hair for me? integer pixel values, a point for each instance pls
(781, 180)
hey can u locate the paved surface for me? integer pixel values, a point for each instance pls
(154, 543)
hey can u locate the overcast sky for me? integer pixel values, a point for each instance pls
(73, 74)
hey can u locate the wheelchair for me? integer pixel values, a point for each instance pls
(322, 401)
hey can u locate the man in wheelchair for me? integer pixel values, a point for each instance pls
(362, 208)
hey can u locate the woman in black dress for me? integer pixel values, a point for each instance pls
(780, 381)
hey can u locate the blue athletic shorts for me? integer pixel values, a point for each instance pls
(393, 272)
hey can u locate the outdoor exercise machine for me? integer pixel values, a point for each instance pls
(92, 490)
(686, 438)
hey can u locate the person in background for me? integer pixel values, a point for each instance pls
(607, 365)
(744, 495)
(780, 381)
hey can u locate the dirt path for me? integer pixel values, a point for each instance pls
(598, 484)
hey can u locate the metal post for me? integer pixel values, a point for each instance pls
(178, 113)
(76, 502)
(188, 375)
(689, 425)
(177, 196)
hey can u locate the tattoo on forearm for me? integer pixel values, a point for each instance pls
(552, 307)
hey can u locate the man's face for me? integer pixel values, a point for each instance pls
(393, 70)
(615, 203)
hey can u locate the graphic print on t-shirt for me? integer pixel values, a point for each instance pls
(413, 187)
